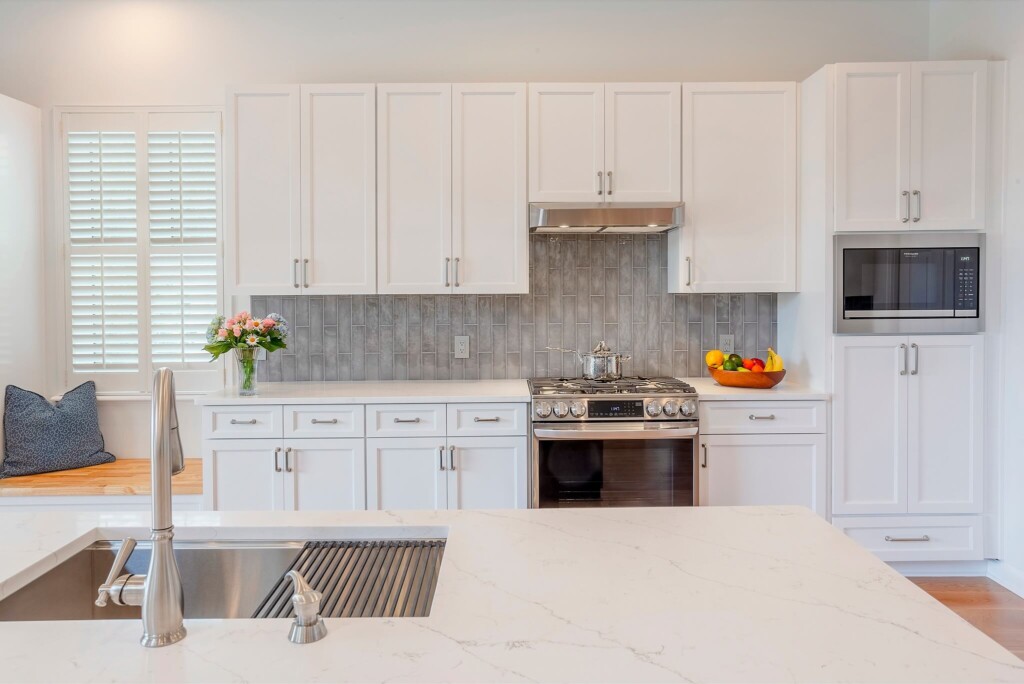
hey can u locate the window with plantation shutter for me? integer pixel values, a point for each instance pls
(142, 207)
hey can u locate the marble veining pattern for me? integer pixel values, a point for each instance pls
(766, 594)
(583, 289)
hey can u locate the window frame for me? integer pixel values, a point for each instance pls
(135, 382)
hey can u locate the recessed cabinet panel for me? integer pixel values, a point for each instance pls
(414, 188)
(566, 142)
(339, 228)
(872, 146)
(642, 142)
(490, 230)
(487, 472)
(263, 190)
(243, 475)
(406, 473)
(325, 475)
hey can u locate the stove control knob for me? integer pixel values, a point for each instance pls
(578, 409)
(670, 408)
(689, 408)
(542, 409)
(561, 409)
(654, 409)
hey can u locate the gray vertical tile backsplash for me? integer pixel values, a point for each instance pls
(582, 289)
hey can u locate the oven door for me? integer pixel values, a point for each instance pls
(614, 464)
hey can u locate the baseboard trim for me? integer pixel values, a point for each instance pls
(1007, 576)
(941, 568)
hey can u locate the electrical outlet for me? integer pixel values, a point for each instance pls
(727, 344)
(462, 346)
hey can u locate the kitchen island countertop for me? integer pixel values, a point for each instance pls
(765, 594)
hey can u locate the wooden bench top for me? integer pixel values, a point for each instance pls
(129, 476)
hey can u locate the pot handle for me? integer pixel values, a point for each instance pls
(625, 357)
(570, 351)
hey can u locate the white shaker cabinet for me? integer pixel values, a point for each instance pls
(739, 187)
(414, 188)
(910, 146)
(324, 475)
(406, 473)
(243, 475)
(490, 226)
(487, 472)
(604, 142)
(339, 200)
(908, 425)
(763, 470)
(263, 251)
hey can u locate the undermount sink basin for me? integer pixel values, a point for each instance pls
(238, 579)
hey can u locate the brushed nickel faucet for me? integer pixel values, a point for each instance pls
(159, 591)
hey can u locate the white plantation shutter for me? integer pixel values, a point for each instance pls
(142, 212)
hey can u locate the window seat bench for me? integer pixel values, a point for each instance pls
(118, 486)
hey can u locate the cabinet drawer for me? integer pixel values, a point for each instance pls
(405, 420)
(478, 420)
(892, 538)
(761, 417)
(323, 421)
(242, 422)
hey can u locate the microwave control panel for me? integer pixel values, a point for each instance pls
(966, 287)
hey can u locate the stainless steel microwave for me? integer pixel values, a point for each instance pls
(909, 283)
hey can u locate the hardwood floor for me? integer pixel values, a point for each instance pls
(996, 611)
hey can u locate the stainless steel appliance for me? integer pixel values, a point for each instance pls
(604, 218)
(909, 283)
(629, 442)
(601, 364)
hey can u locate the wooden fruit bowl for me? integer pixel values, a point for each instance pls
(765, 380)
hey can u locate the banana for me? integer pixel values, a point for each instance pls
(774, 362)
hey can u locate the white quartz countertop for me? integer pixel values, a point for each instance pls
(385, 392)
(765, 594)
(709, 390)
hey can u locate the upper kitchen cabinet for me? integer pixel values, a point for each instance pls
(910, 146)
(451, 180)
(301, 190)
(490, 226)
(612, 142)
(739, 188)
(339, 202)
(262, 166)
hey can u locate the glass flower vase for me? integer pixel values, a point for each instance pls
(247, 361)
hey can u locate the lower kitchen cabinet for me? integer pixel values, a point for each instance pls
(763, 469)
(410, 473)
(271, 475)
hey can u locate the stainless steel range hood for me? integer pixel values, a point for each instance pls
(602, 218)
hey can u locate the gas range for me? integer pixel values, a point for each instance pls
(568, 400)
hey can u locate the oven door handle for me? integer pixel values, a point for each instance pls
(611, 433)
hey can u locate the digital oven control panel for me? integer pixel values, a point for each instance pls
(576, 409)
(619, 408)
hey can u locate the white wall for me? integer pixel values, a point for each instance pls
(184, 52)
(995, 30)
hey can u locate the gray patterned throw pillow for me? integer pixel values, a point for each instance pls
(40, 437)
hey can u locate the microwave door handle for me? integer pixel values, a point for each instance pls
(612, 433)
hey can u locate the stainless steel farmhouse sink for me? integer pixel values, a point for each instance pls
(239, 579)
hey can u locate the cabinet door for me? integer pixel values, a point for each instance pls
(763, 470)
(487, 472)
(406, 473)
(490, 229)
(566, 142)
(869, 436)
(872, 152)
(948, 114)
(262, 171)
(642, 142)
(414, 188)
(739, 185)
(325, 475)
(339, 198)
(243, 475)
(945, 424)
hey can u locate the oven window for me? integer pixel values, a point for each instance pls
(612, 473)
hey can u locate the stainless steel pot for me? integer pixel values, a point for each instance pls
(602, 364)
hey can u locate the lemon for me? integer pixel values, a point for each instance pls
(714, 358)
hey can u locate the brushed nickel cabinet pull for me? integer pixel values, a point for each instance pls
(440, 457)
(305, 273)
(609, 183)
(287, 459)
(770, 416)
(243, 422)
(600, 183)
(478, 419)
(447, 262)
(689, 272)
(451, 457)
(917, 357)
(922, 538)
(704, 462)
(903, 368)
(277, 465)
(456, 271)
(917, 214)
(332, 421)
(407, 420)
(295, 273)
(906, 202)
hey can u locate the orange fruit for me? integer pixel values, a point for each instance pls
(714, 358)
